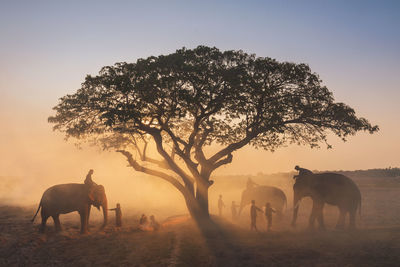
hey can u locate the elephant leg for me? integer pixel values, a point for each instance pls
(342, 217)
(320, 216)
(352, 225)
(83, 215)
(87, 219)
(57, 223)
(312, 217)
(43, 224)
(311, 220)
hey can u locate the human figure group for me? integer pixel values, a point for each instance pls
(146, 225)
(268, 209)
(117, 209)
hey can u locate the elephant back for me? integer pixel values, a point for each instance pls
(336, 180)
(64, 197)
(337, 186)
(264, 194)
(65, 190)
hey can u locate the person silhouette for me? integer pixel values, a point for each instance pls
(118, 215)
(268, 214)
(302, 171)
(250, 183)
(221, 205)
(153, 223)
(143, 223)
(88, 180)
(143, 220)
(253, 215)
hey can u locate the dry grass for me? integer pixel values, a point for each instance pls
(181, 243)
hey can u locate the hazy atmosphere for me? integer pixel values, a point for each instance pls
(47, 49)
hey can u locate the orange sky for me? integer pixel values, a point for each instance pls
(48, 48)
(29, 146)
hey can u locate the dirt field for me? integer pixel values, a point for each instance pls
(376, 242)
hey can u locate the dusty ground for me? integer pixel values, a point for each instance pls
(180, 243)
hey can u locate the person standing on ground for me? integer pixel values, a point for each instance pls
(118, 215)
(268, 215)
(221, 205)
(253, 215)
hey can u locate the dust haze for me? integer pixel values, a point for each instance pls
(40, 160)
(35, 158)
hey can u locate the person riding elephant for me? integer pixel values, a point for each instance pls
(331, 188)
(66, 198)
(302, 171)
(250, 183)
(88, 180)
(263, 194)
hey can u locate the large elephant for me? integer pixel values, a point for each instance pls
(263, 194)
(66, 198)
(334, 189)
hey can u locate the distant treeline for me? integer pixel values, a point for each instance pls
(387, 172)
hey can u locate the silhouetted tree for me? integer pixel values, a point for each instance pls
(191, 99)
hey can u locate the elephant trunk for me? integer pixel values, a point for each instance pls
(245, 198)
(240, 209)
(296, 204)
(105, 212)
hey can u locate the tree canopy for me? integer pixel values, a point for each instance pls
(194, 98)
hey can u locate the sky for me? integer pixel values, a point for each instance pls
(48, 47)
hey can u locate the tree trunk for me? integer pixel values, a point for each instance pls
(202, 199)
(198, 206)
(198, 211)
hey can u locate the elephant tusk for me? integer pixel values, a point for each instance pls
(297, 205)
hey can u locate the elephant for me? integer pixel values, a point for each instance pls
(331, 188)
(66, 198)
(263, 194)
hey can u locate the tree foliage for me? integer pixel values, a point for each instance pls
(191, 99)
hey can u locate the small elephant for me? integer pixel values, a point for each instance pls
(263, 194)
(334, 189)
(66, 198)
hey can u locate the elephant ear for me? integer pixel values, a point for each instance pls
(91, 193)
(100, 188)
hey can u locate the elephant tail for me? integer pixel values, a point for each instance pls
(359, 208)
(40, 205)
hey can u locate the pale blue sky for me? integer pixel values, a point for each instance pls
(48, 47)
(333, 36)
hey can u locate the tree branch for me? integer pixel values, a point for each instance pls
(186, 157)
(133, 163)
(224, 161)
(232, 147)
(174, 167)
(143, 157)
